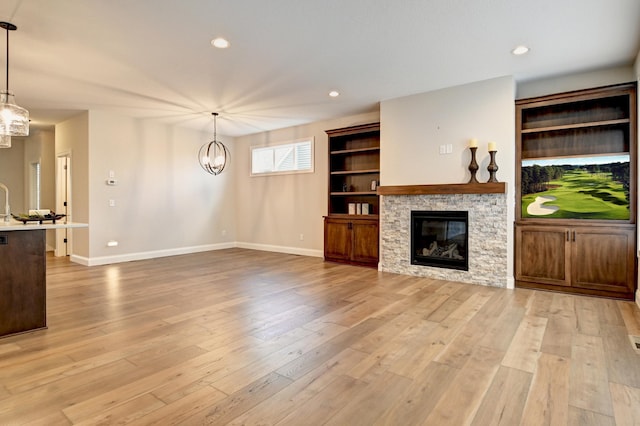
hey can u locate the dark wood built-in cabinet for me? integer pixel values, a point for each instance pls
(354, 174)
(597, 260)
(577, 250)
(351, 240)
(22, 281)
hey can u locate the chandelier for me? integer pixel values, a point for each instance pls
(14, 120)
(213, 155)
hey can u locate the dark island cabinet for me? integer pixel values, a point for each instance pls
(22, 281)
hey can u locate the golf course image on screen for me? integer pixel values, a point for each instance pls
(576, 188)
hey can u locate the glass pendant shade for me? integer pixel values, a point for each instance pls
(5, 141)
(213, 155)
(14, 120)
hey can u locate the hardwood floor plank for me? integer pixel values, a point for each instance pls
(588, 316)
(394, 352)
(609, 312)
(191, 407)
(581, 417)
(126, 413)
(387, 331)
(19, 407)
(323, 352)
(276, 361)
(326, 403)
(623, 363)
(540, 304)
(239, 336)
(503, 403)
(589, 383)
(500, 332)
(631, 317)
(548, 396)
(297, 396)
(418, 400)
(626, 404)
(241, 401)
(423, 352)
(372, 402)
(524, 350)
(462, 398)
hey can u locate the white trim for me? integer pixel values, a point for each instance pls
(129, 257)
(511, 283)
(105, 260)
(282, 249)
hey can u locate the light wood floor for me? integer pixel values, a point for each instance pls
(247, 337)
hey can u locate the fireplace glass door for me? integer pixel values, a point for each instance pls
(440, 239)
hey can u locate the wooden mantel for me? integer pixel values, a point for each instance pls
(451, 188)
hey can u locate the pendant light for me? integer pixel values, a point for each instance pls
(213, 155)
(14, 120)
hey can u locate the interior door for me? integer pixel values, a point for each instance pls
(63, 203)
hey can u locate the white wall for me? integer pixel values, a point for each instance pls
(165, 203)
(12, 175)
(566, 83)
(72, 138)
(272, 211)
(413, 128)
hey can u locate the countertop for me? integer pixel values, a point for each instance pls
(15, 225)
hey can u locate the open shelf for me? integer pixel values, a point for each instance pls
(576, 126)
(355, 172)
(355, 151)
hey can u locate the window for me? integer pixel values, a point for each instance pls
(34, 186)
(294, 157)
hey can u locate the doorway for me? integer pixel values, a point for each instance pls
(63, 202)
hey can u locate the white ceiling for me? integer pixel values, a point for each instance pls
(153, 58)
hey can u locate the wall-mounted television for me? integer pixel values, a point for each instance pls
(585, 187)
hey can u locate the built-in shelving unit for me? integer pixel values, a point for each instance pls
(572, 242)
(354, 174)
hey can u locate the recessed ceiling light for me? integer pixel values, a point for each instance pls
(520, 50)
(334, 93)
(220, 43)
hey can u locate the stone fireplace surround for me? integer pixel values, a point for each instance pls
(487, 207)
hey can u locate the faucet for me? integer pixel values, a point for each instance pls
(7, 210)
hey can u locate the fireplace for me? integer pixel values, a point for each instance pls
(440, 239)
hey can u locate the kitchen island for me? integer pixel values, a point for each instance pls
(23, 305)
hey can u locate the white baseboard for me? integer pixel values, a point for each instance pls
(511, 283)
(129, 257)
(106, 260)
(282, 249)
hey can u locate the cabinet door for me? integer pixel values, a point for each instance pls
(337, 239)
(365, 241)
(543, 255)
(603, 258)
(22, 281)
